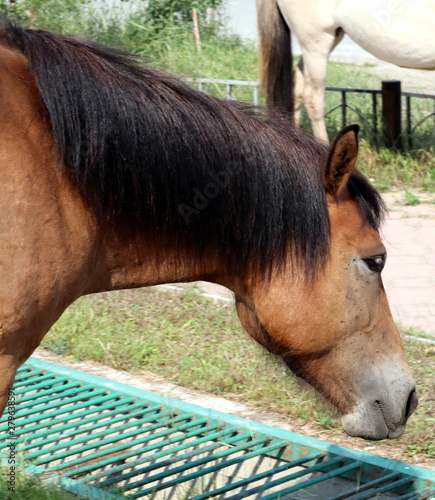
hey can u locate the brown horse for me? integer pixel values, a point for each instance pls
(118, 176)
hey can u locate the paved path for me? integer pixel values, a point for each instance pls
(409, 276)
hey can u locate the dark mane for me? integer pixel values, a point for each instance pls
(145, 149)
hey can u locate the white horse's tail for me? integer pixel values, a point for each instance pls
(275, 55)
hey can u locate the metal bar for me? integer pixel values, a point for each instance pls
(24, 368)
(422, 121)
(36, 391)
(416, 94)
(391, 113)
(109, 440)
(375, 114)
(80, 429)
(55, 430)
(78, 489)
(305, 484)
(178, 458)
(146, 449)
(384, 489)
(109, 414)
(112, 430)
(24, 373)
(61, 417)
(122, 446)
(363, 487)
(201, 462)
(36, 383)
(330, 111)
(258, 477)
(392, 137)
(408, 116)
(408, 496)
(418, 496)
(57, 389)
(85, 404)
(39, 416)
(343, 109)
(29, 400)
(290, 477)
(43, 397)
(354, 90)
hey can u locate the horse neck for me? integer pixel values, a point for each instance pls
(133, 262)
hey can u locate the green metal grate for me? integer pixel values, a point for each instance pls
(104, 440)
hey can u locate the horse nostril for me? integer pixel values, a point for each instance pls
(411, 404)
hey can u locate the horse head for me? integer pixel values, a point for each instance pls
(336, 332)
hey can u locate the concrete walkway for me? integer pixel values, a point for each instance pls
(409, 276)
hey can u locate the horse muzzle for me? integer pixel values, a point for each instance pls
(383, 418)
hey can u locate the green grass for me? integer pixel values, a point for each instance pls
(410, 199)
(391, 169)
(196, 343)
(30, 487)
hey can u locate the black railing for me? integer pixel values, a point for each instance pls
(408, 95)
(388, 127)
(382, 120)
(344, 106)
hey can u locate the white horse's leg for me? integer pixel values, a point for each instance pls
(314, 92)
(315, 55)
(298, 91)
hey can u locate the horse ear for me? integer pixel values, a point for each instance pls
(341, 160)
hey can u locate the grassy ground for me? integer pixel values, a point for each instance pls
(196, 343)
(29, 488)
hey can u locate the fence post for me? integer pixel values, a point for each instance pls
(392, 113)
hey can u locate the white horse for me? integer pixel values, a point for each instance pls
(401, 32)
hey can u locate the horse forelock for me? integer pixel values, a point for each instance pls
(193, 171)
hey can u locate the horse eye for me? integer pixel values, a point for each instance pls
(376, 264)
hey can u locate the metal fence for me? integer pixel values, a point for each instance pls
(391, 117)
(410, 129)
(391, 120)
(102, 440)
(229, 87)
